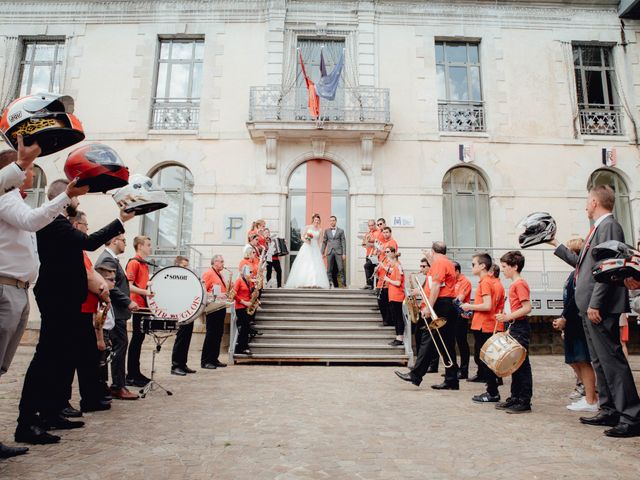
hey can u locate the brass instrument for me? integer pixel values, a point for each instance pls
(98, 323)
(255, 295)
(411, 302)
(435, 323)
(231, 293)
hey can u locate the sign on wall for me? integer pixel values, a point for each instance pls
(234, 230)
(402, 221)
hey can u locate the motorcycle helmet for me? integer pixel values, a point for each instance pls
(613, 249)
(141, 196)
(98, 166)
(46, 118)
(537, 228)
(615, 270)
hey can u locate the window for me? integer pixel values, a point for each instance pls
(466, 208)
(622, 208)
(460, 105)
(176, 105)
(598, 104)
(37, 194)
(41, 67)
(170, 227)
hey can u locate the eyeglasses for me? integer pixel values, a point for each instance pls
(387, 251)
(83, 223)
(423, 266)
(379, 224)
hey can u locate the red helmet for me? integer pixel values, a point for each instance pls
(98, 166)
(46, 118)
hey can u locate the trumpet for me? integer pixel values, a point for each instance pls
(435, 323)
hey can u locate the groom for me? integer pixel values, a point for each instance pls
(334, 247)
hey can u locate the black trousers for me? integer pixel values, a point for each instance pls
(368, 272)
(383, 305)
(522, 379)
(213, 337)
(275, 265)
(483, 371)
(477, 345)
(395, 312)
(135, 347)
(243, 321)
(44, 390)
(444, 307)
(462, 327)
(119, 343)
(180, 351)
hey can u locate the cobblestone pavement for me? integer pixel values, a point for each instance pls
(316, 422)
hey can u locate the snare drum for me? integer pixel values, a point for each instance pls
(503, 354)
(178, 295)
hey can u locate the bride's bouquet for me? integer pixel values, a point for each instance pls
(308, 236)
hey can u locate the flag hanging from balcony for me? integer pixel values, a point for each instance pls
(328, 83)
(314, 101)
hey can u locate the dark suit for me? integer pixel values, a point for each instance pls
(120, 301)
(334, 246)
(60, 291)
(616, 387)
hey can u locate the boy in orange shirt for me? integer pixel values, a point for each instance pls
(484, 321)
(512, 264)
(395, 280)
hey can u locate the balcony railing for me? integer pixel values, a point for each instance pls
(175, 114)
(362, 104)
(600, 119)
(461, 117)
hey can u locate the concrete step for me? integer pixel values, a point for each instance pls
(371, 330)
(336, 292)
(328, 323)
(317, 312)
(323, 348)
(318, 304)
(345, 339)
(324, 358)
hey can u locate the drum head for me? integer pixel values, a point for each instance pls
(177, 294)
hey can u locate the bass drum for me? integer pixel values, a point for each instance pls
(178, 295)
(503, 354)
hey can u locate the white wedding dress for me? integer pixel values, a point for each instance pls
(308, 269)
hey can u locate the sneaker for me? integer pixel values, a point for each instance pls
(519, 407)
(583, 406)
(508, 403)
(577, 393)
(486, 398)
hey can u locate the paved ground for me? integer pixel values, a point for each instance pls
(290, 422)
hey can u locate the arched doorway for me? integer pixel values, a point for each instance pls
(622, 207)
(316, 186)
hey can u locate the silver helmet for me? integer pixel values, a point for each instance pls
(536, 228)
(140, 196)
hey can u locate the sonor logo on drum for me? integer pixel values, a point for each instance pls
(176, 277)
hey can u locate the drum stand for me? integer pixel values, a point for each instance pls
(153, 385)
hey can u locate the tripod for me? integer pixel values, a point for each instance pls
(159, 340)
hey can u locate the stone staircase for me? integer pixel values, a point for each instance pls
(323, 326)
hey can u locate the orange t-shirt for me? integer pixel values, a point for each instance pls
(252, 264)
(389, 243)
(427, 291)
(138, 273)
(396, 294)
(485, 321)
(376, 235)
(381, 272)
(518, 293)
(211, 278)
(243, 292)
(463, 287)
(90, 305)
(499, 296)
(443, 272)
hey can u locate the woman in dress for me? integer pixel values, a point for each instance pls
(308, 269)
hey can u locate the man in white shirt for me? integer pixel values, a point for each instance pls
(12, 175)
(19, 261)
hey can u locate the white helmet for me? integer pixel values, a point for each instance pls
(536, 228)
(140, 196)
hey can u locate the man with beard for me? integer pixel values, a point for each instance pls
(60, 292)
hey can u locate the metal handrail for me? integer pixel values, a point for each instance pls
(408, 347)
(233, 335)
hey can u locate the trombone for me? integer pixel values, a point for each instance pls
(435, 323)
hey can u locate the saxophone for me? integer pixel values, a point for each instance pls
(231, 293)
(411, 302)
(255, 295)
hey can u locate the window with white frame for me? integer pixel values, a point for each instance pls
(596, 89)
(176, 105)
(37, 194)
(460, 106)
(41, 66)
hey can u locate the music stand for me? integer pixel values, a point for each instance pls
(160, 330)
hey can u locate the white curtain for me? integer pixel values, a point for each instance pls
(10, 70)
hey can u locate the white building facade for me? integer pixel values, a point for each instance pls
(453, 120)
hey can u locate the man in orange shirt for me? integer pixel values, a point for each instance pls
(443, 279)
(386, 241)
(138, 276)
(463, 295)
(484, 320)
(215, 283)
(369, 243)
(243, 288)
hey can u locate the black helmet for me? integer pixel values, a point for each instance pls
(537, 228)
(615, 270)
(613, 249)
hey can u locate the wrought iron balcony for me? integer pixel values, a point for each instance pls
(461, 117)
(600, 119)
(351, 105)
(175, 114)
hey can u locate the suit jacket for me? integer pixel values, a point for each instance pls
(120, 294)
(337, 243)
(63, 277)
(609, 299)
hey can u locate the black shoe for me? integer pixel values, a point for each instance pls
(137, 382)
(462, 374)
(60, 423)
(432, 370)
(476, 379)
(208, 366)
(601, 419)
(35, 435)
(188, 370)
(70, 412)
(396, 343)
(486, 398)
(519, 407)
(623, 430)
(219, 364)
(8, 452)
(95, 406)
(446, 386)
(178, 371)
(106, 398)
(508, 403)
(407, 377)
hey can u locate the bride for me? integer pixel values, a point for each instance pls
(308, 268)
